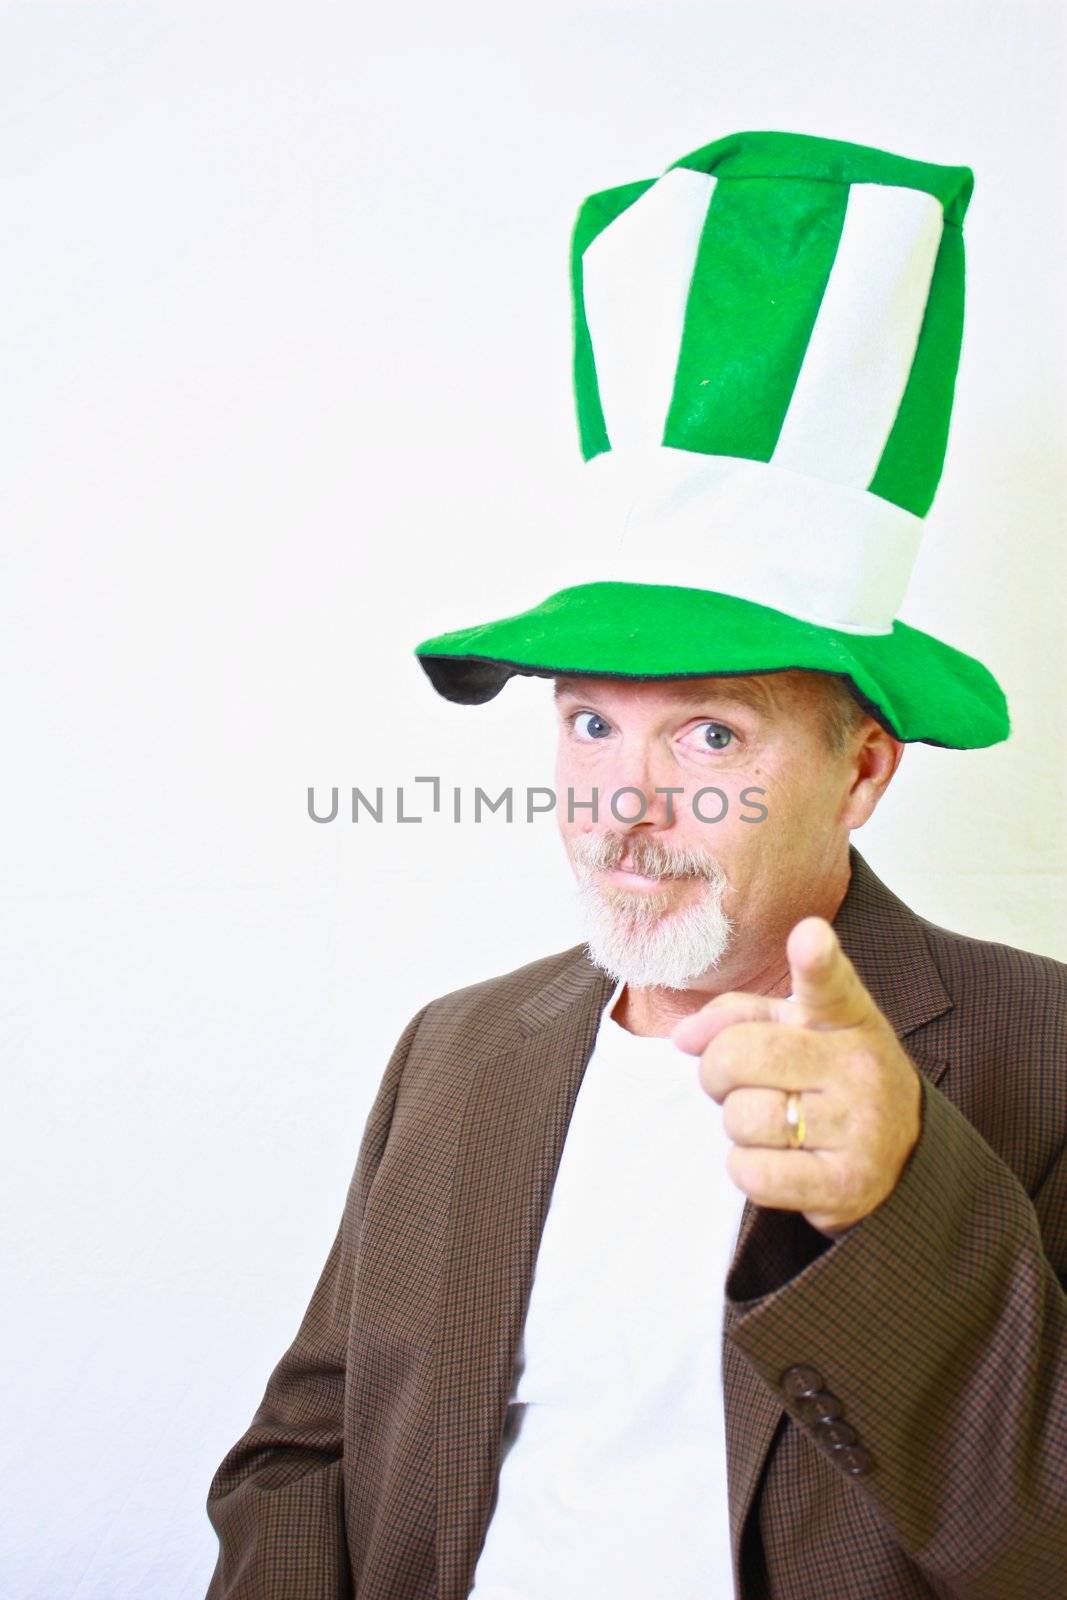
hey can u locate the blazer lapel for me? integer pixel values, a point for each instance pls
(510, 1145)
(513, 1131)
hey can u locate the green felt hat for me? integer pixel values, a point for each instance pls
(766, 340)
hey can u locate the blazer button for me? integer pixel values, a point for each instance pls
(820, 1407)
(833, 1431)
(798, 1381)
(853, 1457)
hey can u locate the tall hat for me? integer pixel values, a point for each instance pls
(766, 340)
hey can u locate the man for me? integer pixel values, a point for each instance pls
(725, 1252)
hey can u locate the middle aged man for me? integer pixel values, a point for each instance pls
(725, 1252)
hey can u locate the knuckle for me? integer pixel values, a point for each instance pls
(745, 1167)
(726, 1050)
(720, 1048)
(735, 1118)
(862, 1061)
(843, 1183)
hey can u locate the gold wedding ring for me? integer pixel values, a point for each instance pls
(794, 1118)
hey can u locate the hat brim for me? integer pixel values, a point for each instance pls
(918, 689)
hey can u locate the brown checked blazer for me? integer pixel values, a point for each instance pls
(895, 1400)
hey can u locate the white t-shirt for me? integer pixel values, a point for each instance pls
(613, 1472)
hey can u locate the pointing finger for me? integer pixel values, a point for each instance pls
(825, 983)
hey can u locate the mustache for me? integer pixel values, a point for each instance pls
(600, 852)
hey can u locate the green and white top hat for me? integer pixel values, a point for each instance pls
(766, 340)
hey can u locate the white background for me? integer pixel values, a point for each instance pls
(286, 378)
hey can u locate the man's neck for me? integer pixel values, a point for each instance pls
(655, 1011)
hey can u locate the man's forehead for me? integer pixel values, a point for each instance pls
(755, 690)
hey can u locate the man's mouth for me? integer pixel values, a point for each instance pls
(633, 880)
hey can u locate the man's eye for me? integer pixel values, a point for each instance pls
(717, 735)
(595, 728)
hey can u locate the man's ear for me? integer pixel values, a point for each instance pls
(874, 763)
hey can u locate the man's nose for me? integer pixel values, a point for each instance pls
(639, 790)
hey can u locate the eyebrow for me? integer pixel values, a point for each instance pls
(742, 694)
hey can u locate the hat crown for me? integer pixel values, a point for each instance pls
(780, 298)
(808, 156)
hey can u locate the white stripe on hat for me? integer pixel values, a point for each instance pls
(862, 345)
(825, 552)
(635, 282)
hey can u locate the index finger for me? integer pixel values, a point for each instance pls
(694, 1033)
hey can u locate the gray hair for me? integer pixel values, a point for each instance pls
(841, 713)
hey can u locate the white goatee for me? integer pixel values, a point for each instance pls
(633, 934)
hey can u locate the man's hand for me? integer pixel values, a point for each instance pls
(862, 1096)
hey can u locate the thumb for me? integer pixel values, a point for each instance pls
(825, 983)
